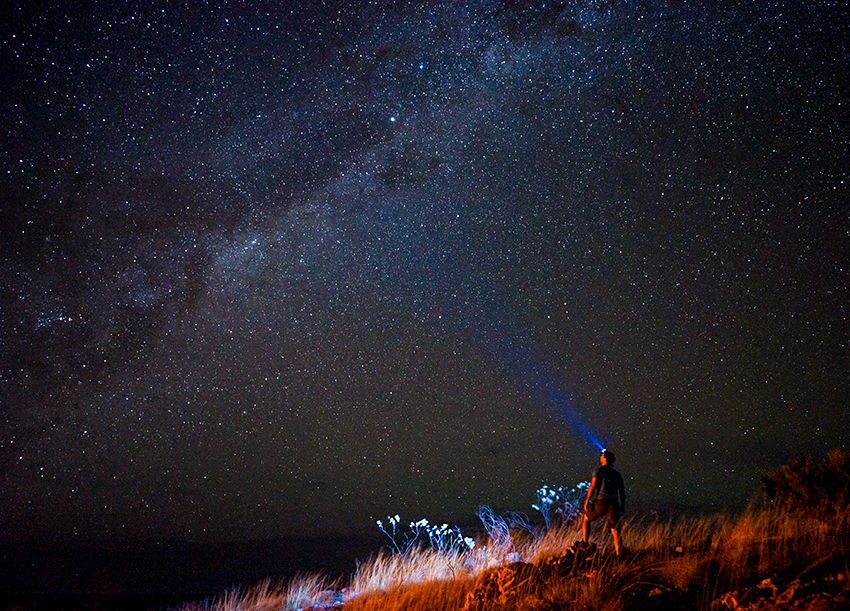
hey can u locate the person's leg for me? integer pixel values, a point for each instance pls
(615, 533)
(585, 528)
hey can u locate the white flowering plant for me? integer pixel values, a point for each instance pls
(444, 538)
(563, 501)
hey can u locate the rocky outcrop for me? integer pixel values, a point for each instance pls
(827, 593)
(511, 582)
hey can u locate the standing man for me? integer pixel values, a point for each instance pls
(609, 498)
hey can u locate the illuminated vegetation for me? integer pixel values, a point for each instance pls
(771, 552)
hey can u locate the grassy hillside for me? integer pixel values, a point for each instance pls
(781, 556)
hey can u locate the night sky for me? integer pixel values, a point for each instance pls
(276, 268)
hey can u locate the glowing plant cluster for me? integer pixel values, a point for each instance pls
(443, 537)
(562, 501)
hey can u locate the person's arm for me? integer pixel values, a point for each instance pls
(589, 494)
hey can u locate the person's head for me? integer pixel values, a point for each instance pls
(607, 457)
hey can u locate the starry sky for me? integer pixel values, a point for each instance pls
(275, 268)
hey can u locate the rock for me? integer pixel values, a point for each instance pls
(326, 598)
(517, 579)
(522, 580)
(584, 555)
(727, 601)
(502, 584)
(767, 584)
(790, 592)
(485, 591)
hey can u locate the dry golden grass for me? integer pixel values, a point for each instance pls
(427, 596)
(262, 597)
(391, 571)
(300, 592)
(708, 555)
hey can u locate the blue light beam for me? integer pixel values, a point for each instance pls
(545, 390)
(562, 407)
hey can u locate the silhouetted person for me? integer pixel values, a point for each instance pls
(605, 497)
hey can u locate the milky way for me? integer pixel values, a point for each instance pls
(293, 268)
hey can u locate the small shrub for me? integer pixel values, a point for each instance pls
(500, 528)
(566, 503)
(803, 485)
(444, 538)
